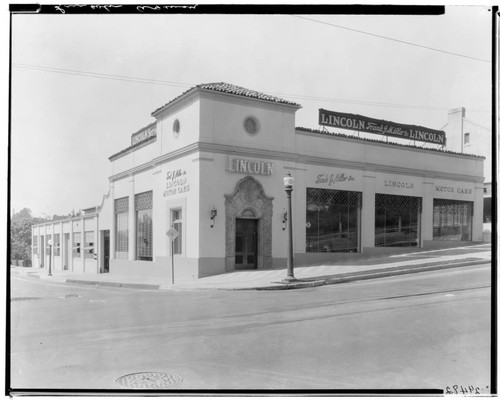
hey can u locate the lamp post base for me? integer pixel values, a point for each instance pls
(289, 279)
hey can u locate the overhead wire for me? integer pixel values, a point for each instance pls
(102, 75)
(474, 123)
(392, 39)
(188, 85)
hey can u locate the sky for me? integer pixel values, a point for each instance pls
(82, 84)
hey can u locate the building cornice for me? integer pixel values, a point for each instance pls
(291, 157)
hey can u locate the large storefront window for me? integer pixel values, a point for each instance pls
(397, 220)
(452, 220)
(121, 224)
(144, 225)
(332, 220)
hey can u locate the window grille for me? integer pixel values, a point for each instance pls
(452, 219)
(397, 220)
(327, 197)
(144, 225)
(121, 205)
(89, 244)
(332, 220)
(398, 203)
(144, 201)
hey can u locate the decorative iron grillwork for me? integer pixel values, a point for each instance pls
(121, 205)
(452, 220)
(451, 212)
(321, 198)
(144, 201)
(398, 203)
(332, 220)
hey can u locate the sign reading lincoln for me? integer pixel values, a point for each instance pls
(371, 125)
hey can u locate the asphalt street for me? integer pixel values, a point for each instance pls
(423, 331)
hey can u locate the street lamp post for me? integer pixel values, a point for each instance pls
(49, 242)
(288, 182)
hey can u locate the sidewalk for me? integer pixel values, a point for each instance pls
(360, 269)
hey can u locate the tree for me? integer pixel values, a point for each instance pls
(20, 234)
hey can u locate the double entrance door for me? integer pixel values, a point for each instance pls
(246, 244)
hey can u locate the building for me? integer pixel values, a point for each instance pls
(210, 169)
(468, 137)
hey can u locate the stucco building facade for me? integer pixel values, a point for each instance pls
(211, 167)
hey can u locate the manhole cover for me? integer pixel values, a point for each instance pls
(149, 380)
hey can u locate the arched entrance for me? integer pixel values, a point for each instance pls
(249, 215)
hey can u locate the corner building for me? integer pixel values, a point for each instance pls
(212, 165)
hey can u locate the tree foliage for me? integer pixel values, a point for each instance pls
(20, 234)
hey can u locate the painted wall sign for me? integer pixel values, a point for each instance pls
(399, 184)
(334, 179)
(249, 166)
(144, 134)
(378, 126)
(176, 183)
(451, 189)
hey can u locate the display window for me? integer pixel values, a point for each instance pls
(144, 226)
(121, 226)
(397, 220)
(333, 220)
(452, 220)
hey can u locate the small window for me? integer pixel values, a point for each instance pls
(47, 245)
(176, 218)
(89, 244)
(251, 125)
(467, 138)
(176, 128)
(77, 241)
(57, 244)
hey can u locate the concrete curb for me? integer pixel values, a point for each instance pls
(114, 284)
(299, 284)
(396, 272)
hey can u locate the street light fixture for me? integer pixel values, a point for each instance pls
(49, 242)
(288, 182)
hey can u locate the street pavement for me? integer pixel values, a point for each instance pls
(424, 331)
(416, 260)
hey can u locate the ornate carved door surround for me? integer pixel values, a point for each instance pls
(248, 200)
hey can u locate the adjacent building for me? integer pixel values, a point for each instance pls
(202, 187)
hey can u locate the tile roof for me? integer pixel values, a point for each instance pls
(232, 89)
